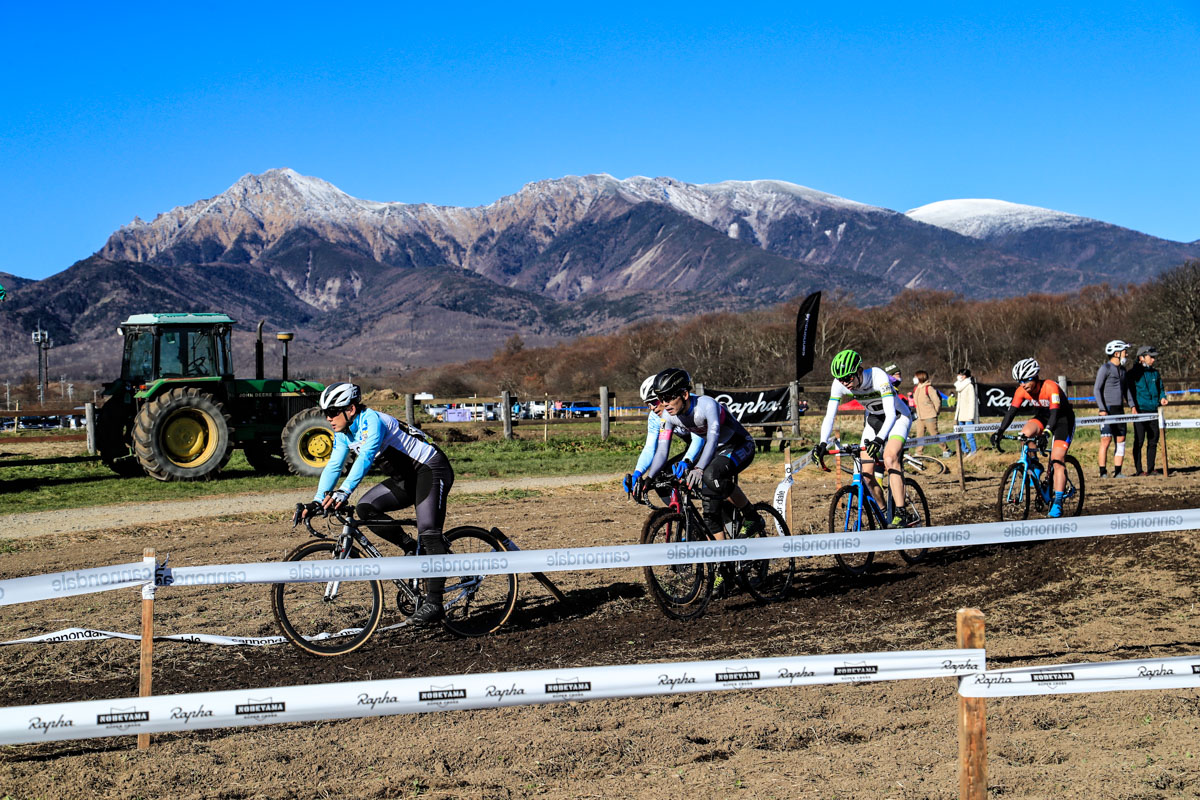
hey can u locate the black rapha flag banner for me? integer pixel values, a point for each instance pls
(756, 407)
(806, 333)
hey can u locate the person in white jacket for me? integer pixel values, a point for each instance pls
(966, 408)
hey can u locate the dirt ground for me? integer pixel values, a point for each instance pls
(1081, 600)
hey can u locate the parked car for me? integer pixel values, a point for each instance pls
(581, 409)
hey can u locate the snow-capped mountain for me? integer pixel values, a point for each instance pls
(409, 283)
(1104, 251)
(986, 219)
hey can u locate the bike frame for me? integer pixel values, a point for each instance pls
(860, 488)
(1032, 471)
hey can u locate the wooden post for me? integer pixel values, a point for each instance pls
(603, 413)
(89, 410)
(1162, 439)
(409, 411)
(972, 722)
(793, 408)
(787, 464)
(546, 420)
(962, 478)
(145, 663)
(506, 413)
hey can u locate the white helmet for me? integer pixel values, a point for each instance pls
(1116, 346)
(339, 395)
(1026, 370)
(647, 390)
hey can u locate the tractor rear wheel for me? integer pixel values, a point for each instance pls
(113, 439)
(182, 435)
(307, 443)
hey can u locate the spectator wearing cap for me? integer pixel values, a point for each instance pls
(928, 402)
(966, 409)
(1111, 390)
(1148, 395)
(893, 372)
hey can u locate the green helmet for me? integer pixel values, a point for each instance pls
(845, 364)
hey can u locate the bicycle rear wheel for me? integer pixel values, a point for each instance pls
(847, 515)
(477, 604)
(914, 497)
(322, 625)
(1013, 502)
(1073, 492)
(767, 579)
(926, 465)
(682, 591)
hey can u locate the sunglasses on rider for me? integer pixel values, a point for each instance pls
(330, 413)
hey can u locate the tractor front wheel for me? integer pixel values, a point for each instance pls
(182, 435)
(307, 443)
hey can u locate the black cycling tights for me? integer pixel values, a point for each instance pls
(424, 486)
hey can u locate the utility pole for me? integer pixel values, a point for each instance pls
(7, 396)
(41, 341)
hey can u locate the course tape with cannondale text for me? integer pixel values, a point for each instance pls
(244, 707)
(45, 587)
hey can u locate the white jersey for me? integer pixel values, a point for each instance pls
(878, 397)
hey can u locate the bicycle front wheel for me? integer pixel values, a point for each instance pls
(1013, 502)
(767, 579)
(1073, 492)
(682, 591)
(477, 604)
(914, 497)
(326, 618)
(848, 515)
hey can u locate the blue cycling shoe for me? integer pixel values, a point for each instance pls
(1055, 510)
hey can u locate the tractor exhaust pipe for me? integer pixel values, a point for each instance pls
(258, 352)
(285, 337)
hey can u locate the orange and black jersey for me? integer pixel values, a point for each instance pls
(1051, 408)
(1049, 398)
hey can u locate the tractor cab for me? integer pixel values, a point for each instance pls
(159, 346)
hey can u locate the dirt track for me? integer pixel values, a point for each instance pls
(1080, 600)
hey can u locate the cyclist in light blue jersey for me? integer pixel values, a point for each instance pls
(727, 450)
(680, 464)
(886, 421)
(418, 474)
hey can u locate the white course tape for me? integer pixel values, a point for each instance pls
(1180, 423)
(938, 439)
(81, 581)
(666, 554)
(238, 708)
(92, 635)
(1085, 422)
(1110, 676)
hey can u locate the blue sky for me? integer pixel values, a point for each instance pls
(108, 113)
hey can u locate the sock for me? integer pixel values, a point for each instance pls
(1103, 472)
(1116, 471)
(1058, 496)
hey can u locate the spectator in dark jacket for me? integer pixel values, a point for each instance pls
(1148, 395)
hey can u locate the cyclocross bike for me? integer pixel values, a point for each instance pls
(334, 617)
(683, 591)
(854, 509)
(1027, 483)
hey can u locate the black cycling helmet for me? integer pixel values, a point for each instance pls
(671, 382)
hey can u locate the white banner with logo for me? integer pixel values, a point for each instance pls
(238, 708)
(1110, 676)
(627, 556)
(1172, 424)
(1080, 422)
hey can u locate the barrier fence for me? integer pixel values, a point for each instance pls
(65, 584)
(147, 714)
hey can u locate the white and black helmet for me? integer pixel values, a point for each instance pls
(647, 390)
(1116, 346)
(1026, 370)
(339, 395)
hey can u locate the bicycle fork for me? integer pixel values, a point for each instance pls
(341, 551)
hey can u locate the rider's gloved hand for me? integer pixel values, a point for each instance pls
(822, 449)
(680, 469)
(875, 447)
(695, 477)
(995, 439)
(336, 499)
(304, 510)
(630, 482)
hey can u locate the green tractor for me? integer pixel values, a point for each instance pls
(176, 413)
